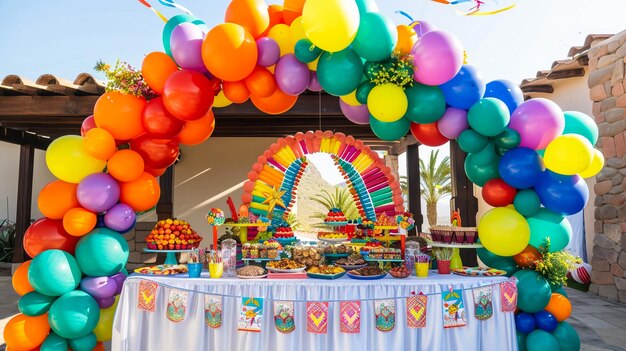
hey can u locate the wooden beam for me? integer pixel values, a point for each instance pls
(24, 199)
(547, 89)
(165, 206)
(47, 106)
(401, 146)
(567, 73)
(22, 138)
(413, 179)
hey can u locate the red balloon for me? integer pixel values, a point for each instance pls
(528, 257)
(188, 95)
(46, 234)
(156, 153)
(89, 123)
(498, 193)
(428, 134)
(158, 122)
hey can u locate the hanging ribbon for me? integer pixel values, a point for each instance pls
(146, 4)
(171, 3)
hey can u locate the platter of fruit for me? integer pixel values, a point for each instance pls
(367, 273)
(351, 262)
(326, 272)
(332, 237)
(172, 234)
(400, 272)
(285, 266)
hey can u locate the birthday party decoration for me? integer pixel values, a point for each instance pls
(416, 310)
(483, 306)
(453, 309)
(250, 314)
(177, 305)
(284, 316)
(213, 310)
(350, 317)
(385, 312)
(317, 317)
(147, 295)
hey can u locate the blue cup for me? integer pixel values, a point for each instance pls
(195, 269)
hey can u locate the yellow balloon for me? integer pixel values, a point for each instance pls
(596, 165)
(296, 31)
(281, 34)
(104, 328)
(350, 99)
(406, 39)
(330, 25)
(68, 161)
(568, 154)
(313, 65)
(221, 100)
(504, 231)
(387, 102)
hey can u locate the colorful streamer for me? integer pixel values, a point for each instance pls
(146, 4)
(171, 3)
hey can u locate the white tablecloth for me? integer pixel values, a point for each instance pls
(135, 330)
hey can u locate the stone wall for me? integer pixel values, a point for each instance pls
(607, 90)
(136, 240)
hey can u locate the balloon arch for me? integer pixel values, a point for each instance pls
(529, 157)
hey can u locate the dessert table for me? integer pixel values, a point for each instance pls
(135, 329)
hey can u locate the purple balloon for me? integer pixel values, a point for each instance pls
(119, 280)
(292, 76)
(538, 122)
(98, 192)
(356, 114)
(437, 57)
(422, 27)
(106, 302)
(99, 287)
(120, 218)
(269, 51)
(453, 122)
(314, 83)
(186, 46)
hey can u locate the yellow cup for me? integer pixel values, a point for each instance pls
(216, 269)
(421, 269)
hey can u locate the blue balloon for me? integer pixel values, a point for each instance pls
(506, 91)
(465, 89)
(524, 322)
(562, 194)
(521, 168)
(546, 321)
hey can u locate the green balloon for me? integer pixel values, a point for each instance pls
(35, 304)
(489, 116)
(541, 152)
(340, 72)
(86, 343)
(369, 68)
(366, 6)
(426, 103)
(376, 38)
(555, 287)
(488, 257)
(561, 291)
(363, 91)
(533, 291)
(173, 22)
(527, 202)
(54, 272)
(74, 315)
(102, 252)
(521, 341)
(485, 156)
(507, 264)
(480, 175)
(546, 223)
(390, 131)
(306, 52)
(539, 340)
(567, 337)
(501, 150)
(54, 342)
(581, 124)
(509, 139)
(470, 141)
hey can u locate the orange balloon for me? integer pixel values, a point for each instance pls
(24, 333)
(276, 17)
(79, 221)
(292, 9)
(251, 14)
(559, 306)
(156, 68)
(125, 165)
(141, 194)
(196, 132)
(99, 347)
(275, 104)
(236, 92)
(406, 39)
(56, 198)
(527, 257)
(20, 282)
(229, 52)
(120, 114)
(99, 143)
(261, 82)
(157, 172)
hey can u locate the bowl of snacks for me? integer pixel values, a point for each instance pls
(308, 255)
(325, 272)
(400, 272)
(285, 266)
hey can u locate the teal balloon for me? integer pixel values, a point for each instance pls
(521, 341)
(426, 103)
(555, 287)
(35, 304)
(470, 141)
(581, 124)
(480, 175)
(85, 343)
(363, 91)
(390, 131)
(54, 342)
(54, 272)
(541, 152)
(339, 73)
(546, 223)
(508, 139)
(561, 291)
(489, 116)
(527, 202)
(488, 257)
(74, 315)
(485, 156)
(533, 291)
(567, 337)
(306, 52)
(366, 6)
(376, 38)
(539, 340)
(102, 252)
(506, 264)
(175, 21)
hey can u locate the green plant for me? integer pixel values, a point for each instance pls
(341, 199)
(554, 266)
(7, 240)
(443, 253)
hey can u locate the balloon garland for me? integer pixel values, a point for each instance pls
(529, 156)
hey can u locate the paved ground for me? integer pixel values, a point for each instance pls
(600, 323)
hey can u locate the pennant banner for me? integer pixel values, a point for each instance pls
(483, 307)
(284, 316)
(317, 317)
(251, 314)
(146, 298)
(453, 309)
(177, 305)
(385, 311)
(350, 317)
(213, 310)
(416, 306)
(508, 296)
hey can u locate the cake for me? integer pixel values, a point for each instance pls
(335, 215)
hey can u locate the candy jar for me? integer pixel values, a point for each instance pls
(229, 257)
(412, 248)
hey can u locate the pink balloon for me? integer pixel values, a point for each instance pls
(356, 114)
(453, 122)
(438, 57)
(88, 124)
(538, 122)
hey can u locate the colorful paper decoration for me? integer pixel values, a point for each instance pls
(385, 311)
(508, 296)
(146, 298)
(350, 317)
(213, 310)
(284, 316)
(177, 305)
(483, 307)
(317, 317)
(453, 309)
(250, 314)
(416, 307)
